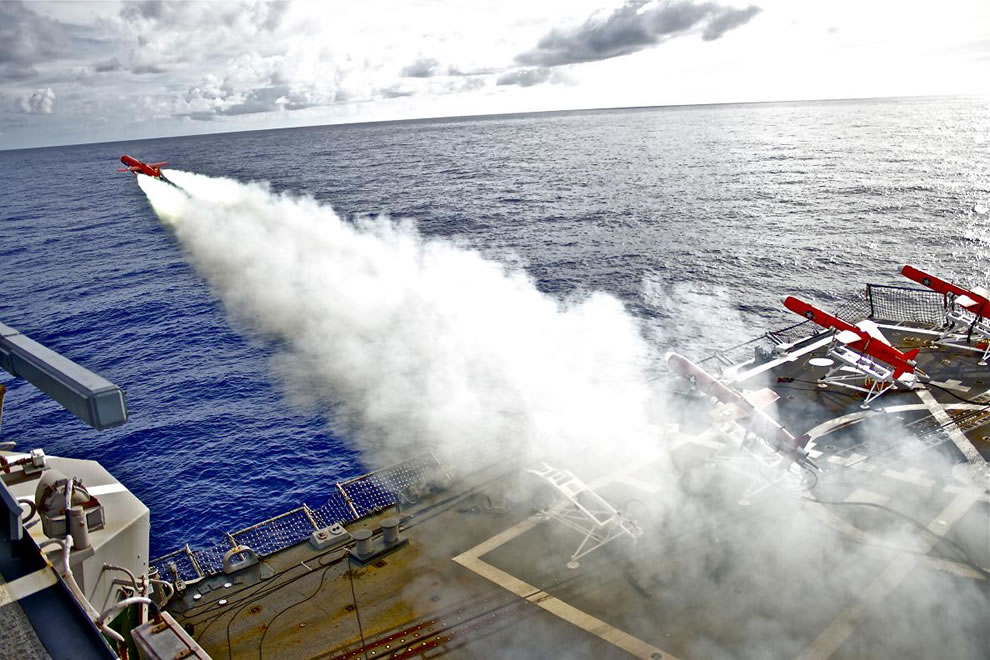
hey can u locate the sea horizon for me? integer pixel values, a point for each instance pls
(521, 115)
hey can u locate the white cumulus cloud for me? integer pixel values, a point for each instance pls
(40, 102)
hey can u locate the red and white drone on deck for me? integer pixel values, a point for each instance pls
(867, 361)
(969, 308)
(742, 419)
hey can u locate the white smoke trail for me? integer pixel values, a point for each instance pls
(421, 343)
(415, 343)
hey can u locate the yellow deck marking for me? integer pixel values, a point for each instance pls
(471, 559)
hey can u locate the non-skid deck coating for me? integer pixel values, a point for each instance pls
(838, 571)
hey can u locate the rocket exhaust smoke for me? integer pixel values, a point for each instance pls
(415, 343)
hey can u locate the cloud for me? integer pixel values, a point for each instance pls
(528, 77)
(634, 27)
(28, 39)
(223, 58)
(254, 84)
(727, 19)
(38, 103)
(250, 16)
(422, 68)
(165, 36)
(395, 91)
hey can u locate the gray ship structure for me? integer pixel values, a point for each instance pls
(821, 491)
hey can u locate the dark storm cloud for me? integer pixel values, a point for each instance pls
(526, 77)
(27, 39)
(634, 27)
(421, 68)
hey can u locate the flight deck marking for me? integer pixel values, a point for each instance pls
(905, 329)
(950, 427)
(853, 460)
(863, 495)
(844, 527)
(911, 476)
(854, 417)
(704, 439)
(976, 493)
(639, 484)
(951, 385)
(471, 560)
(897, 570)
(788, 357)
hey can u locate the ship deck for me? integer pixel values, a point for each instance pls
(883, 553)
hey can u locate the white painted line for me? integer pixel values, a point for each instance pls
(788, 357)
(641, 485)
(863, 495)
(849, 619)
(844, 527)
(28, 585)
(951, 385)
(911, 476)
(705, 439)
(917, 331)
(958, 438)
(953, 567)
(853, 460)
(975, 493)
(106, 489)
(854, 417)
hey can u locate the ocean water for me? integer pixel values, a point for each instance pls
(698, 219)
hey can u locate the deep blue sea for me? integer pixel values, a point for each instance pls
(697, 218)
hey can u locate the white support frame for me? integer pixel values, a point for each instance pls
(745, 450)
(591, 515)
(957, 315)
(854, 367)
(771, 473)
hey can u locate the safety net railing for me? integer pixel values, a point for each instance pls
(349, 501)
(879, 302)
(901, 304)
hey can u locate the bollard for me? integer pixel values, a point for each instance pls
(363, 546)
(390, 531)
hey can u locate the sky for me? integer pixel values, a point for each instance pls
(75, 71)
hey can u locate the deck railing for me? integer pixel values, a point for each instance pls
(878, 302)
(349, 501)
